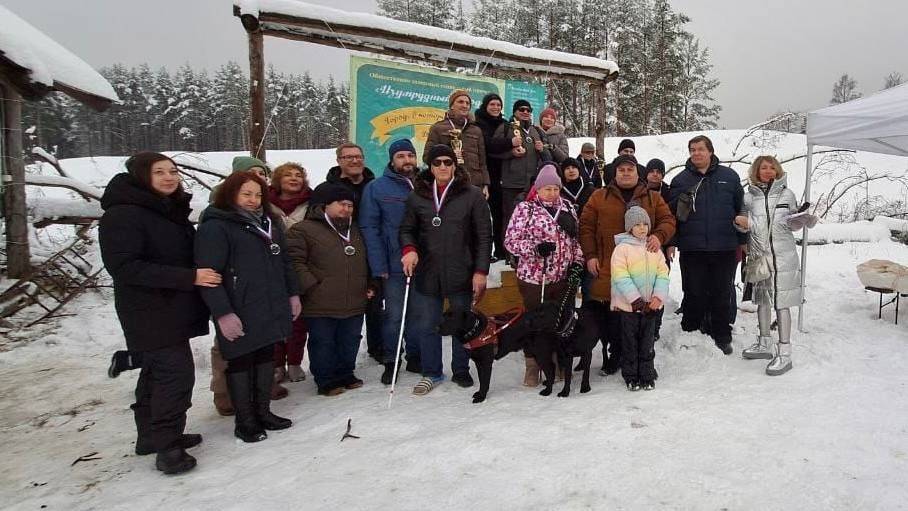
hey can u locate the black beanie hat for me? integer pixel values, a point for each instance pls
(623, 158)
(331, 192)
(625, 144)
(656, 164)
(488, 99)
(570, 162)
(438, 150)
(521, 102)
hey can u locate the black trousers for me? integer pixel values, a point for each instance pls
(498, 227)
(708, 279)
(163, 394)
(374, 341)
(246, 362)
(637, 353)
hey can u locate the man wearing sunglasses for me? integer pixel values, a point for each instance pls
(520, 165)
(446, 235)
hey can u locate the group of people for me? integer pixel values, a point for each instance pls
(279, 267)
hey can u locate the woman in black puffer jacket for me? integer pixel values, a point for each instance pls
(489, 118)
(254, 307)
(146, 244)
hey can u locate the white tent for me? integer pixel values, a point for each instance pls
(877, 123)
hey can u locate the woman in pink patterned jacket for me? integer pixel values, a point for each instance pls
(542, 233)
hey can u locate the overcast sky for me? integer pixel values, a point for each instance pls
(770, 55)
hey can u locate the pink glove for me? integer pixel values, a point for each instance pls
(231, 326)
(295, 307)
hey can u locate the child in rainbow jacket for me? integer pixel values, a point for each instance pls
(639, 289)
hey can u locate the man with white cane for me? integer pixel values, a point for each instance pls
(446, 235)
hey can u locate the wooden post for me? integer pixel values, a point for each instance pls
(17, 253)
(257, 93)
(601, 119)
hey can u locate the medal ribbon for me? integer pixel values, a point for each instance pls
(439, 202)
(345, 238)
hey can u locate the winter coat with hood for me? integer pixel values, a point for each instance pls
(257, 283)
(519, 172)
(558, 141)
(451, 253)
(603, 218)
(332, 284)
(716, 198)
(636, 273)
(494, 146)
(531, 224)
(381, 212)
(146, 244)
(766, 206)
(474, 147)
(334, 177)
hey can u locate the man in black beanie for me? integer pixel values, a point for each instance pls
(520, 164)
(625, 148)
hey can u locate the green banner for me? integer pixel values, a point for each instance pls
(389, 101)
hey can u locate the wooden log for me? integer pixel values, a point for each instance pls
(17, 252)
(257, 94)
(601, 119)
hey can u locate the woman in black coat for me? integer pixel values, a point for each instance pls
(254, 306)
(146, 244)
(489, 118)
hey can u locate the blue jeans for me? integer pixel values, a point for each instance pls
(426, 312)
(394, 308)
(333, 345)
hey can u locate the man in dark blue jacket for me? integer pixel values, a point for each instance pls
(381, 212)
(705, 198)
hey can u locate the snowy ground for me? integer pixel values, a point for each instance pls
(715, 434)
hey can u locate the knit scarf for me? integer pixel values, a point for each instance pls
(288, 206)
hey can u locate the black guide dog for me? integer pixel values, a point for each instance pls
(555, 329)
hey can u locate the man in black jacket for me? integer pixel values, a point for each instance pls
(705, 198)
(446, 240)
(350, 172)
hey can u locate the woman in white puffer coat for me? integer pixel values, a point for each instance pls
(773, 264)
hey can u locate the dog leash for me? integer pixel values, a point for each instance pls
(518, 313)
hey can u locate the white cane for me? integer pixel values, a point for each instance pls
(545, 269)
(400, 340)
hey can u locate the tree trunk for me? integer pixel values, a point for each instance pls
(257, 94)
(17, 253)
(601, 119)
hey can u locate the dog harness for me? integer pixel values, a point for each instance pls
(494, 326)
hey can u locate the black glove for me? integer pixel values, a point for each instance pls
(568, 224)
(545, 249)
(638, 305)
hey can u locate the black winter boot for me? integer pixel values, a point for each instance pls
(262, 406)
(247, 428)
(388, 375)
(174, 461)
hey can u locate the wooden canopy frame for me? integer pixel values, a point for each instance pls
(375, 34)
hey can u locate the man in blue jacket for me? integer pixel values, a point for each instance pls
(705, 198)
(381, 212)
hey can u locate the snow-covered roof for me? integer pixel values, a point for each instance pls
(369, 32)
(41, 64)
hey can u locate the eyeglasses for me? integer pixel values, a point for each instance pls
(352, 157)
(525, 109)
(447, 162)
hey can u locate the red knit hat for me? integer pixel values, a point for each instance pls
(549, 111)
